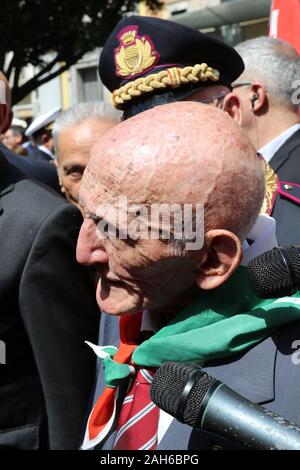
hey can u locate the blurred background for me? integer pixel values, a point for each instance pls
(54, 46)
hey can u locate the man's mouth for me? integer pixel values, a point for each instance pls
(105, 275)
(110, 278)
(112, 281)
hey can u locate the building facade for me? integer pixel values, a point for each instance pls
(231, 20)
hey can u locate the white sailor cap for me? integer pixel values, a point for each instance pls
(16, 122)
(45, 121)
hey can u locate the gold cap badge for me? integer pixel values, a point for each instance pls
(135, 54)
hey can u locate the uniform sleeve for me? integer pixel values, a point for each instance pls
(58, 307)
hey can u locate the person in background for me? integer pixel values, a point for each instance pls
(75, 132)
(40, 134)
(265, 101)
(13, 138)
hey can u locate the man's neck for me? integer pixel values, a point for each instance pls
(179, 303)
(268, 127)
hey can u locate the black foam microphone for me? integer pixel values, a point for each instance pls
(195, 398)
(275, 273)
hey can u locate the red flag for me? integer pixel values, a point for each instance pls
(285, 21)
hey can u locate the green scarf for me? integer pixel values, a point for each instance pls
(221, 322)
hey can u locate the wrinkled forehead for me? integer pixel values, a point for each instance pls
(105, 182)
(122, 162)
(171, 154)
(91, 189)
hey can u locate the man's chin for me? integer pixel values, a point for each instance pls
(110, 307)
(117, 301)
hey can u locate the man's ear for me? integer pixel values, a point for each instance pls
(223, 254)
(232, 106)
(44, 138)
(258, 98)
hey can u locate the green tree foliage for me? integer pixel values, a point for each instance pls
(31, 29)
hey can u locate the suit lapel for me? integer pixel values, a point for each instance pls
(250, 374)
(282, 154)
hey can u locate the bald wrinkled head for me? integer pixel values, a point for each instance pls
(174, 154)
(181, 153)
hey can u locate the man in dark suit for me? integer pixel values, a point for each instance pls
(40, 152)
(35, 169)
(268, 110)
(75, 133)
(40, 132)
(47, 311)
(195, 299)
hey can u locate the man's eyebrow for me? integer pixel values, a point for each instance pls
(73, 165)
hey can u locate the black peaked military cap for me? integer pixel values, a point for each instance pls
(140, 48)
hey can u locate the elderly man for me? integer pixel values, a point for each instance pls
(195, 299)
(47, 311)
(75, 132)
(265, 101)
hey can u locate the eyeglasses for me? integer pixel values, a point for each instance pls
(214, 100)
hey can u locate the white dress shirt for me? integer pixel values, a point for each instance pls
(47, 151)
(269, 150)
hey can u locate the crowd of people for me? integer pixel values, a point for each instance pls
(89, 313)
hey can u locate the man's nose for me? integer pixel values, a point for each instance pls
(90, 248)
